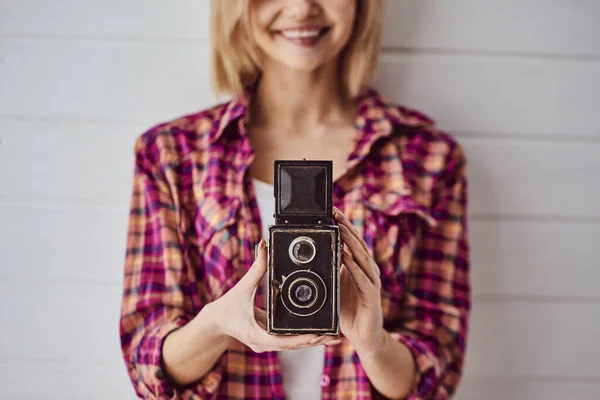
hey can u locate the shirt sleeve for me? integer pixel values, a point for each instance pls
(159, 289)
(435, 312)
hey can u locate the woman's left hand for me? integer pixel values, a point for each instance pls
(361, 317)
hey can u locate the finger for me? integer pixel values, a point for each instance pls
(343, 220)
(362, 258)
(332, 341)
(346, 222)
(281, 343)
(343, 273)
(262, 340)
(253, 277)
(261, 317)
(358, 275)
(346, 280)
(367, 259)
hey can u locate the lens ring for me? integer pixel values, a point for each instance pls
(302, 240)
(301, 277)
(296, 284)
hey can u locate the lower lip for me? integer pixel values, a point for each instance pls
(305, 41)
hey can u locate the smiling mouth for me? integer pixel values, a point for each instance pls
(306, 37)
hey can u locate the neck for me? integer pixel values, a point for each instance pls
(299, 102)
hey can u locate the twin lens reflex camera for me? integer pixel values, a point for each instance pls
(303, 251)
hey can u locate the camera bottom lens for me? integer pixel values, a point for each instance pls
(303, 293)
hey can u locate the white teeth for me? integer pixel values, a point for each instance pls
(300, 34)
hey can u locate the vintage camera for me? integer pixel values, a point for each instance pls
(304, 251)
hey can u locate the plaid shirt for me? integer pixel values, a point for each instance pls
(194, 223)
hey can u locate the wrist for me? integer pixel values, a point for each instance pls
(191, 351)
(377, 347)
(390, 367)
(209, 320)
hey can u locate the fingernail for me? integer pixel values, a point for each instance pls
(334, 342)
(262, 244)
(317, 340)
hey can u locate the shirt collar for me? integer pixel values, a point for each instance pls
(376, 118)
(231, 112)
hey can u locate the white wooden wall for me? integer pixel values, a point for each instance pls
(516, 81)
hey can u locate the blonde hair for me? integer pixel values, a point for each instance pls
(235, 56)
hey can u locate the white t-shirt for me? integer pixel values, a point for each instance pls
(302, 368)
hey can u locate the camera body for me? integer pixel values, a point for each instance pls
(303, 251)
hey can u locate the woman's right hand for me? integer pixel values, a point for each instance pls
(235, 315)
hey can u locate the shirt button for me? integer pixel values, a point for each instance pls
(325, 380)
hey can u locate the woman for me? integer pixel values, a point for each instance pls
(299, 73)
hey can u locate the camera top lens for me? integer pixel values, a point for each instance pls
(302, 250)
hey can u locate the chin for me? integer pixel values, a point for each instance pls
(303, 64)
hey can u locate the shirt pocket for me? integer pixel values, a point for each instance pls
(392, 223)
(216, 224)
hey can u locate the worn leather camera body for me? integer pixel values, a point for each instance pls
(304, 251)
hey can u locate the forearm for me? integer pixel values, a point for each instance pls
(191, 351)
(390, 368)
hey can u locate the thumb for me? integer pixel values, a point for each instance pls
(261, 317)
(257, 270)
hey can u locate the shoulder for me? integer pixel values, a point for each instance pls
(424, 147)
(430, 158)
(174, 140)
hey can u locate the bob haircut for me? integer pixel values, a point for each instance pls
(235, 56)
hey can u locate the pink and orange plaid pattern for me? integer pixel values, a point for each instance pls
(194, 222)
